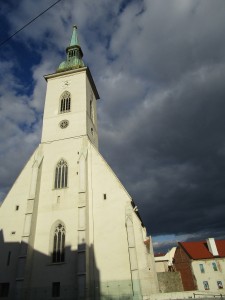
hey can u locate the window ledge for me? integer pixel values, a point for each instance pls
(56, 263)
(63, 188)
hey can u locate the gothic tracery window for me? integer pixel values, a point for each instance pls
(58, 254)
(61, 174)
(65, 102)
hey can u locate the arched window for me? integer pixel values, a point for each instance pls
(65, 100)
(58, 253)
(61, 174)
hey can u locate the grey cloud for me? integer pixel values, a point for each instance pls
(170, 38)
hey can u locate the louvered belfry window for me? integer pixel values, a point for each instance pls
(58, 254)
(61, 175)
(65, 100)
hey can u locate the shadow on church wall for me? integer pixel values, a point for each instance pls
(33, 275)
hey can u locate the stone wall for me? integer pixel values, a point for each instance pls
(170, 282)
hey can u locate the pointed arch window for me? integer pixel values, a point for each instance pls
(61, 175)
(65, 102)
(58, 253)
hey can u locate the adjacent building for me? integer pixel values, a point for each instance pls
(68, 227)
(169, 279)
(202, 265)
(164, 262)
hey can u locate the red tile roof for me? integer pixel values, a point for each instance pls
(199, 250)
(220, 244)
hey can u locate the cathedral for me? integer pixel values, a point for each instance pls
(68, 227)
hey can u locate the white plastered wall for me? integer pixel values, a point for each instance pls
(14, 225)
(108, 232)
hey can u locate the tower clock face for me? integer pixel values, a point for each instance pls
(63, 124)
(66, 84)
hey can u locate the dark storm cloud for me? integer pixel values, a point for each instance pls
(166, 140)
(171, 155)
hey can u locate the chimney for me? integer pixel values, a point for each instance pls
(212, 246)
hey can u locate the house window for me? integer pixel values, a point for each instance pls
(58, 254)
(206, 285)
(61, 174)
(65, 101)
(219, 284)
(4, 289)
(56, 289)
(202, 268)
(214, 266)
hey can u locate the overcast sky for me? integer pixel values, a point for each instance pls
(159, 67)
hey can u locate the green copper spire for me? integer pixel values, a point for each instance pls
(74, 38)
(74, 54)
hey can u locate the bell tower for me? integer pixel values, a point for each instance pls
(70, 106)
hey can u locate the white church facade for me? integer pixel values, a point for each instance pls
(68, 227)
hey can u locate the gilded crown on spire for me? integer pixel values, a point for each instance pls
(74, 54)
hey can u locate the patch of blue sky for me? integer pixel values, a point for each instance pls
(163, 238)
(24, 59)
(4, 30)
(124, 4)
(163, 243)
(28, 128)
